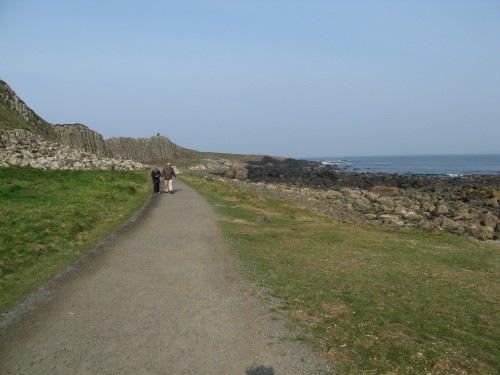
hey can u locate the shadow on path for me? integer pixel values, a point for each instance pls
(261, 370)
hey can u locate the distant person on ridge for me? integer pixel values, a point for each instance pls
(168, 174)
(155, 175)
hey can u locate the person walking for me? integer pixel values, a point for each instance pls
(155, 175)
(168, 174)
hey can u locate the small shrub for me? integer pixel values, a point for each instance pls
(241, 175)
(237, 171)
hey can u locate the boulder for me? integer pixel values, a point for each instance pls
(489, 220)
(440, 209)
(411, 215)
(431, 226)
(492, 202)
(391, 220)
(451, 225)
(428, 207)
(480, 231)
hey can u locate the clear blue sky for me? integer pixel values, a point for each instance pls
(277, 77)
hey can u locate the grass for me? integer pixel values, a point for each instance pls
(10, 119)
(373, 300)
(48, 218)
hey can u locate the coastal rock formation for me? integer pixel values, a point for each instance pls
(408, 208)
(16, 114)
(12, 102)
(466, 206)
(82, 138)
(25, 148)
(148, 150)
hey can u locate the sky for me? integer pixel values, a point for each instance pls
(296, 78)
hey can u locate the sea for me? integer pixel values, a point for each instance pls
(439, 165)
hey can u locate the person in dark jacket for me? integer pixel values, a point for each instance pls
(168, 174)
(155, 175)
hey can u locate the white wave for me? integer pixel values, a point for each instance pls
(335, 162)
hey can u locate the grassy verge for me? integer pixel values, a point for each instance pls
(49, 218)
(374, 300)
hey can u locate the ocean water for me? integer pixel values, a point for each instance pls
(449, 165)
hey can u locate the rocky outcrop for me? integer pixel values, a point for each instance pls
(155, 149)
(25, 148)
(466, 206)
(217, 166)
(145, 150)
(409, 208)
(12, 101)
(82, 138)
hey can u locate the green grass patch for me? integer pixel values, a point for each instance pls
(373, 300)
(10, 119)
(50, 217)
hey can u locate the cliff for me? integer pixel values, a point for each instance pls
(15, 114)
(155, 149)
(82, 138)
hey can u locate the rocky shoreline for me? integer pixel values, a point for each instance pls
(466, 206)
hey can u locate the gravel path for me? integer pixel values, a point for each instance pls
(160, 296)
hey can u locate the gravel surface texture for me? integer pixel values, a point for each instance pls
(159, 296)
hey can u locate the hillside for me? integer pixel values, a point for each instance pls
(15, 114)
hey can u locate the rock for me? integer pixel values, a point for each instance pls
(480, 232)
(432, 203)
(38, 152)
(428, 207)
(451, 225)
(147, 150)
(492, 202)
(80, 137)
(363, 203)
(12, 101)
(431, 227)
(440, 209)
(350, 193)
(489, 220)
(391, 220)
(411, 215)
(399, 209)
(387, 204)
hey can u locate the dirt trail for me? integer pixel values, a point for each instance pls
(158, 297)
